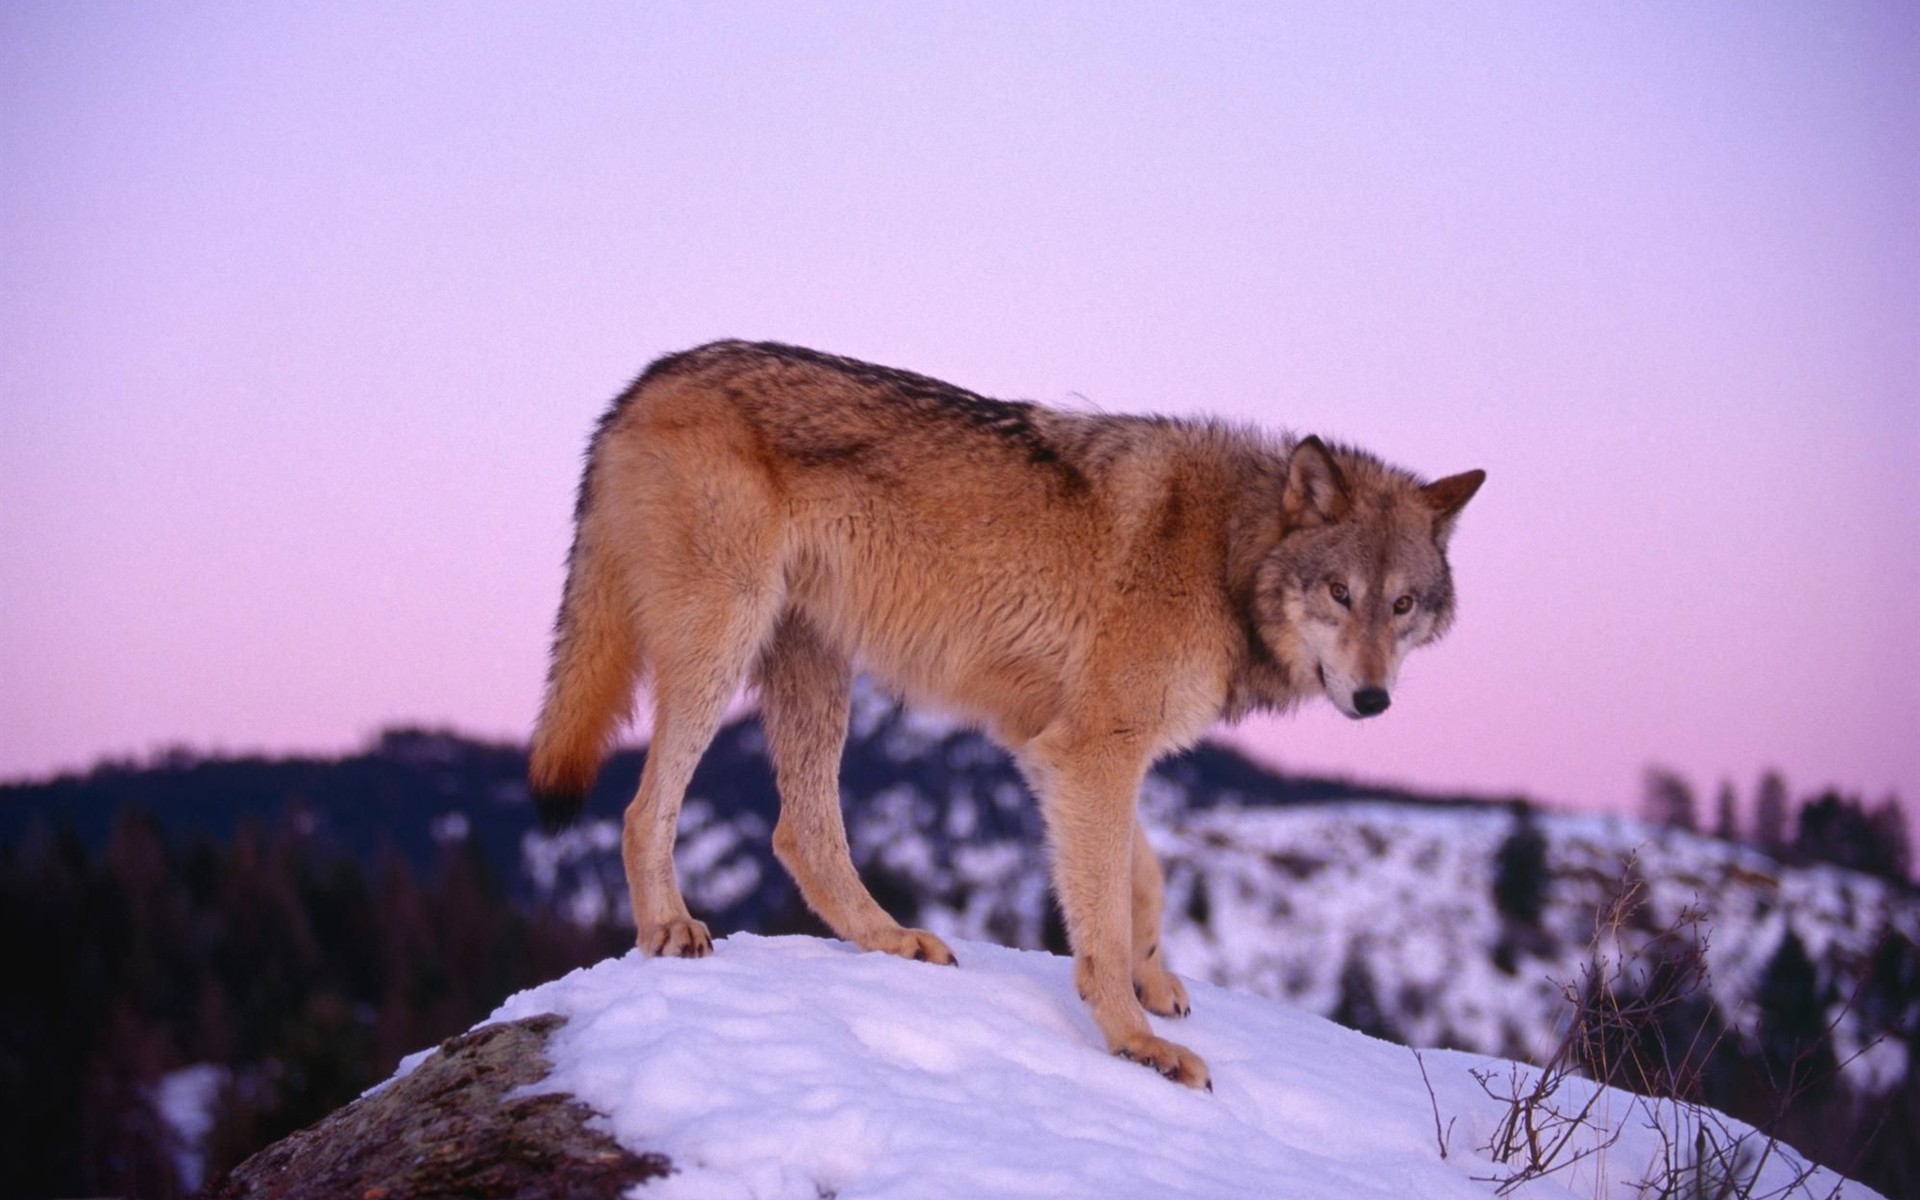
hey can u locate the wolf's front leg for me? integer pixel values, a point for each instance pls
(1089, 793)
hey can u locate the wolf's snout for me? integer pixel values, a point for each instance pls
(1371, 702)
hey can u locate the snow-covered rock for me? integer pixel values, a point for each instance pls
(798, 1067)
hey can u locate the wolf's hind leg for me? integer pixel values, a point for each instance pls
(704, 655)
(804, 693)
(1158, 989)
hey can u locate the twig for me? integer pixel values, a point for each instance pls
(1439, 1135)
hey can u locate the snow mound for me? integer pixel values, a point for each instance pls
(799, 1067)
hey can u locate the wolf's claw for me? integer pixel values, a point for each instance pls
(1161, 993)
(1172, 1061)
(916, 944)
(678, 937)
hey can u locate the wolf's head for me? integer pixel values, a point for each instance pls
(1359, 576)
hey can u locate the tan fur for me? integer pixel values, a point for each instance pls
(1094, 591)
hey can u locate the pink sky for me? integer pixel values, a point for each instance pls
(305, 313)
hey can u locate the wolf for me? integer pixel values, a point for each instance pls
(1094, 591)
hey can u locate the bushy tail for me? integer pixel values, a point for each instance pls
(596, 663)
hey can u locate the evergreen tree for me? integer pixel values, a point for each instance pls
(1889, 825)
(1794, 1046)
(1358, 1007)
(1838, 829)
(1770, 806)
(1889, 999)
(1892, 1160)
(1668, 800)
(1726, 815)
(1520, 869)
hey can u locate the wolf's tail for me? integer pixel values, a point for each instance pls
(596, 663)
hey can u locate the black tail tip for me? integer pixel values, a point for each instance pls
(558, 810)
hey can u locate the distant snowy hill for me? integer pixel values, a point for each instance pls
(797, 1068)
(1298, 903)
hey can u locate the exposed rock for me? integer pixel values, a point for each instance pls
(450, 1129)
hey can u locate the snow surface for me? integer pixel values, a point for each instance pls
(799, 1067)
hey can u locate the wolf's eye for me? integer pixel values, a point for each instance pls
(1340, 594)
(1403, 606)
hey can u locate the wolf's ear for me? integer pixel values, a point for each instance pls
(1316, 490)
(1448, 496)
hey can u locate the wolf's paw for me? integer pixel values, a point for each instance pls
(1171, 1059)
(677, 937)
(916, 944)
(1160, 991)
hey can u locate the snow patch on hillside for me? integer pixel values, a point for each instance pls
(186, 1101)
(1291, 896)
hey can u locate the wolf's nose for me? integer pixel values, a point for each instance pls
(1371, 702)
